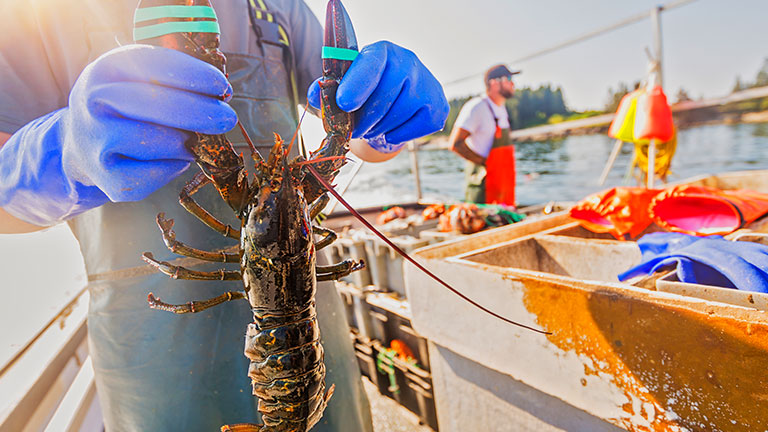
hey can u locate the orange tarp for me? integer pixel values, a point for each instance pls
(618, 211)
(701, 210)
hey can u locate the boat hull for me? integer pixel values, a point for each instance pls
(619, 355)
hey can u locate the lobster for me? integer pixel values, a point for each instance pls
(277, 248)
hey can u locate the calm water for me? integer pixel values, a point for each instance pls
(40, 271)
(563, 169)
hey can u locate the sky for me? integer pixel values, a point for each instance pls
(706, 44)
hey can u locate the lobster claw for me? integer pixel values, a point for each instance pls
(339, 50)
(191, 26)
(339, 43)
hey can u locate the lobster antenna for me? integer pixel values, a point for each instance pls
(411, 260)
(319, 160)
(298, 127)
(248, 140)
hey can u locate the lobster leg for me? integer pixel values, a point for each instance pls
(337, 271)
(177, 272)
(194, 306)
(328, 236)
(177, 247)
(318, 206)
(186, 201)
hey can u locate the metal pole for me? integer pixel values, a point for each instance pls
(656, 25)
(651, 164)
(611, 161)
(414, 149)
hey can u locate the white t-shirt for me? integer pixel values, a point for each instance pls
(475, 117)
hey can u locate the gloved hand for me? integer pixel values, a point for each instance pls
(396, 97)
(705, 260)
(120, 138)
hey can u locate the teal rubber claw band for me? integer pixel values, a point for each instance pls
(339, 53)
(159, 12)
(162, 29)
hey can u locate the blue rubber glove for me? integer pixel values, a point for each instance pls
(395, 97)
(705, 260)
(120, 138)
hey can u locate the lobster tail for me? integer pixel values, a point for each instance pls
(287, 370)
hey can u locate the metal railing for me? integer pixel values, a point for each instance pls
(49, 382)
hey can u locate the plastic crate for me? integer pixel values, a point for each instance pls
(418, 344)
(379, 324)
(433, 236)
(748, 299)
(390, 320)
(425, 399)
(351, 246)
(349, 305)
(357, 310)
(386, 265)
(366, 359)
(406, 383)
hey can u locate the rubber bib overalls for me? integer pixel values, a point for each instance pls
(494, 182)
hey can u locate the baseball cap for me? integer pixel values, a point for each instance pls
(499, 71)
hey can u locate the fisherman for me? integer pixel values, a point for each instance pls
(481, 136)
(94, 130)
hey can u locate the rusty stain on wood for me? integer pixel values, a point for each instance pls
(701, 368)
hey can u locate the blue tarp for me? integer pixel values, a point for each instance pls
(704, 260)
